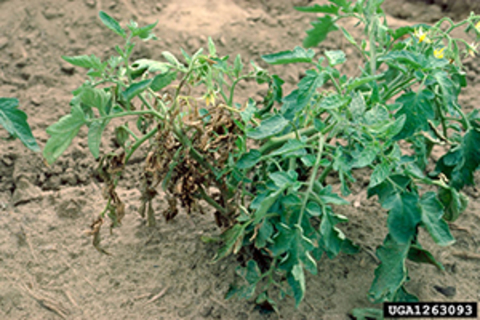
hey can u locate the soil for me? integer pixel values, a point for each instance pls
(48, 267)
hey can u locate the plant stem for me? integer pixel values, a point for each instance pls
(232, 88)
(211, 202)
(277, 141)
(128, 113)
(313, 178)
(140, 142)
(124, 127)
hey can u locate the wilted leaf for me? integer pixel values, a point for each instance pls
(470, 151)
(403, 217)
(432, 219)
(391, 273)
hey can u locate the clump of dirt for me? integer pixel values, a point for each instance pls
(48, 266)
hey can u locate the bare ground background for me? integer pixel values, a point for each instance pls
(48, 268)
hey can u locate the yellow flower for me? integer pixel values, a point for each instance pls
(477, 26)
(421, 36)
(438, 53)
(472, 48)
(210, 98)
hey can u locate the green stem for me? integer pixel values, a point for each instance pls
(124, 127)
(278, 141)
(393, 91)
(140, 142)
(313, 178)
(128, 113)
(335, 83)
(211, 202)
(325, 173)
(232, 88)
(373, 48)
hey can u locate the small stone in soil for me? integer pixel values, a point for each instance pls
(446, 291)
(25, 192)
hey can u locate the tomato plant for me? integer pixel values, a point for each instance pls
(263, 165)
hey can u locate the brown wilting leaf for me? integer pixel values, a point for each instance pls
(120, 209)
(142, 209)
(150, 215)
(117, 162)
(95, 232)
(172, 210)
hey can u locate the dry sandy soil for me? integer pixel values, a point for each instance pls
(49, 269)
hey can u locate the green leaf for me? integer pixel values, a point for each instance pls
(379, 174)
(314, 209)
(283, 179)
(357, 82)
(357, 106)
(330, 9)
(403, 295)
(172, 60)
(432, 213)
(266, 204)
(454, 203)
(294, 148)
(297, 55)
(334, 101)
(268, 128)
(327, 196)
(232, 239)
(249, 111)
(150, 66)
(319, 32)
(161, 81)
(391, 273)
(112, 24)
(420, 255)
(296, 279)
(410, 59)
(335, 57)
(145, 33)
(15, 122)
(211, 47)
(95, 136)
(449, 92)
(249, 160)
(307, 88)
(62, 134)
(402, 31)
(417, 107)
(348, 36)
(251, 273)
(264, 235)
(84, 61)
(470, 150)
(136, 88)
(366, 156)
(332, 237)
(94, 97)
(367, 314)
(238, 66)
(404, 216)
